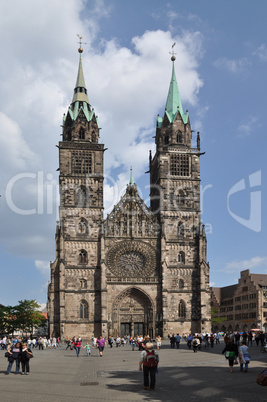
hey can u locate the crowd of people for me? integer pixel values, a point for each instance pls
(236, 349)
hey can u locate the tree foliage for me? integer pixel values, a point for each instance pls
(25, 316)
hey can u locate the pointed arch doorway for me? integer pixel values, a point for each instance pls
(133, 314)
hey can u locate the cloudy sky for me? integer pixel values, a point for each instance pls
(221, 50)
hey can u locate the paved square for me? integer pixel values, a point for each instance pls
(58, 375)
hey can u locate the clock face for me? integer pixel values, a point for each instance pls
(132, 261)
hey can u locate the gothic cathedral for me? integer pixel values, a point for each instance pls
(141, 270)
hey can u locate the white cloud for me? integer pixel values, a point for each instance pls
(254, 262)
(233, 66)
(43, 267)
(14, 150)
(127, 87)
(247, 127)
(261, 52)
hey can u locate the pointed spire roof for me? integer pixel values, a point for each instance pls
(174, 103)
(80, 91)
(80, 102)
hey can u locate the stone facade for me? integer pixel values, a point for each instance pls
(140, 270)
(240, 307)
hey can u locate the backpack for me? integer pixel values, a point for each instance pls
(151, 359)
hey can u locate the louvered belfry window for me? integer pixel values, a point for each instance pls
(180, 165)
(81, 162)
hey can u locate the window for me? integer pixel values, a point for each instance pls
(81, 134)
(83, 309)
(83, 283)
(166, 139)
(83, 226)
(245, 289)
(81, 162)
(238, 307)
(180, 165)
(181, 309)
(181, 284)
(83, 257)
(245, 297)
(82, 197)
(238, 298)
(179, 137)
(180, 229)
(181, 257)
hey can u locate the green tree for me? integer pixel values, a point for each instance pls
(29, 316)
(24, 317)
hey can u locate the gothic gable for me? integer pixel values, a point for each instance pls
(131, 217)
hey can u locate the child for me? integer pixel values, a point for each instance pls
(88, 349)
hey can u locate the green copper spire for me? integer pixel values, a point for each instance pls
(174, 103)
(131, 182)
(80, 101)
(80, 91)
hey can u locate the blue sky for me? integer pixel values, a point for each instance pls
(221, 51)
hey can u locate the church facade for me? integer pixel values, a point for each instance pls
(141, 270)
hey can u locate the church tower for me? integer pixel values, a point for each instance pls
(74, 291)
(175, 200)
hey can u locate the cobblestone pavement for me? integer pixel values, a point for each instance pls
(58, 375)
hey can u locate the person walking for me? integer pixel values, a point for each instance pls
(88, 349)
(78, 346)
(24, 356)
(172, 341)
(101, 343)
(244, 357)
(150, 360)
(231, 353)
(178, 340)
(195, 344)
(158, 341)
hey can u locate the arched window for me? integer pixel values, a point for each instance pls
(83, 309)
(166, 139)
(93, 137)
(83, 283)
(82, 197)
(81, 134)
(179, 137)
(83, 257)
(181, 284)
(69, 136)
(83, 226)
(181, 309)
(181, 257)
(180, 229)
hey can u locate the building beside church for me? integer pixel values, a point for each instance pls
(240, 307)
(140, 270)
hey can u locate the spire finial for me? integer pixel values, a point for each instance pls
(173, 58)
(80, 50)
(131, 177)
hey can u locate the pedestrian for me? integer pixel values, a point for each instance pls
(88, 349)
(244, 357)
(150, 360)
(24, 356)
(101, 343)
(195, 344)
(231, 353)
(133, 343)
(13, 356)
(178, 340)
(158, 341)
(78, 346)
(172, 341)
(189, 340)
